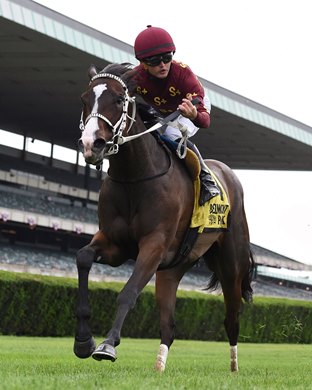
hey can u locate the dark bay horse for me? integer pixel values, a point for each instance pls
(145, 207)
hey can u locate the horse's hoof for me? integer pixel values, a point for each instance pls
(84, 349)
(105, 352)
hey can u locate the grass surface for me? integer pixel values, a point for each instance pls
(49, 363)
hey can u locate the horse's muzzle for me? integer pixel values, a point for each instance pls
(93, 153)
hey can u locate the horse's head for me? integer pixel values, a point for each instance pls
(105, 112)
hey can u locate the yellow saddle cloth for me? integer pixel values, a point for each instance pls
(214, 214)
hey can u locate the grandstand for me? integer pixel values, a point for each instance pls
(44, 221)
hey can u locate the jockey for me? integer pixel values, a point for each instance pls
(166, 85)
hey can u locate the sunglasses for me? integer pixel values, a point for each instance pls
(156, 60)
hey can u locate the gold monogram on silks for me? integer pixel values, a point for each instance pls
(214, 213)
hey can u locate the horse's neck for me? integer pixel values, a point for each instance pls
(139, 159)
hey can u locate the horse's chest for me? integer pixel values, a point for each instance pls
(121, 229)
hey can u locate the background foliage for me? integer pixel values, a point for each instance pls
(36, 305)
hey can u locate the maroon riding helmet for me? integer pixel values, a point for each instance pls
(153, 41)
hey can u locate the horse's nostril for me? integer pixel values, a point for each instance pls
(80, 145)
(99, 143)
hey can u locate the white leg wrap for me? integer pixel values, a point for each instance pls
(234, 359)
(161, 358)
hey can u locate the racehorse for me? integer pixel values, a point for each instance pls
(145, 207)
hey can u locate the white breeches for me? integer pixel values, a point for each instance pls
(173, 131)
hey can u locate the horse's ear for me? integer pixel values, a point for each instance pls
(92, 71)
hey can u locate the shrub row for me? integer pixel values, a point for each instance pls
(45, 306)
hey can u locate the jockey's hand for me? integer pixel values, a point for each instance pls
(188, 110)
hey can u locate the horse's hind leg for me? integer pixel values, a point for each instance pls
(234, 289)
(232, 300)
(230, 266)
(167, 282)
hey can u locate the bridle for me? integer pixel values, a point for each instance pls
(120, 125)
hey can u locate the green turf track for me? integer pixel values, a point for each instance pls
(48, 363)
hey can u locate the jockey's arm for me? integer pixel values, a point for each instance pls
(198, 115)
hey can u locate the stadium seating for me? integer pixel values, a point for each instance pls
(46, 205)
(31, 199)
(55, 262)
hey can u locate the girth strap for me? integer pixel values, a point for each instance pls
(184, 250)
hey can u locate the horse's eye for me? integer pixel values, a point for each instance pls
(120, 99)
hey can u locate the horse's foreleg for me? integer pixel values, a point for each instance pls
(145, 267)
(84, 343)
(167, 282)
(125, 302)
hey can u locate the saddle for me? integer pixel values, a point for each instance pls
(191, 160)
(213, 216)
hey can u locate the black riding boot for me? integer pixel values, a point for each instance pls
(208, 187)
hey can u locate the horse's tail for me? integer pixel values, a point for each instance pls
(213, 283)
(210, 258)
(247, 290)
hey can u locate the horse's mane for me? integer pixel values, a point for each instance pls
(118, 69)
(127, 73)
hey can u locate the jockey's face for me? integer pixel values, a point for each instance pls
(158, 66)
(160, 71)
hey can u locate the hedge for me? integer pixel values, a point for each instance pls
(37, 305)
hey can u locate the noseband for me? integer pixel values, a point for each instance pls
(121, 124)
